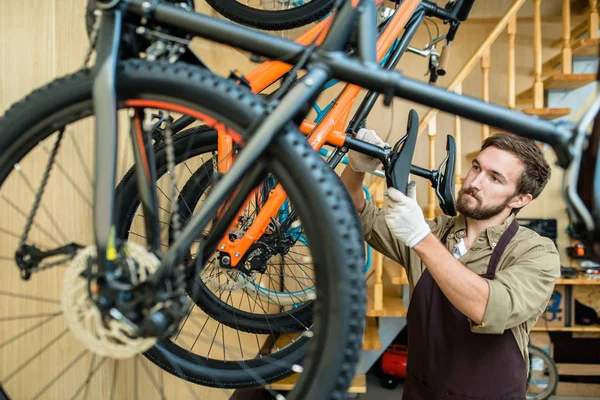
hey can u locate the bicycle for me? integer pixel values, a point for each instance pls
(338, 66)
(298, 317)
(542, 379)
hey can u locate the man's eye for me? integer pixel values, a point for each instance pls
(475, 168)
(494, 179)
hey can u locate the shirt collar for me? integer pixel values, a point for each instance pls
(493, 233)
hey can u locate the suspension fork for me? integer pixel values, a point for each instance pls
(105, 109)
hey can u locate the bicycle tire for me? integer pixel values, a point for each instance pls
(552, 372)
(272, 20)
(339, 313)
(188, 143)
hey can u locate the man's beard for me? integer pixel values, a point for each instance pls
(476, 211)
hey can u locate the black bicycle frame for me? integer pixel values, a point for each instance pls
(328, 62)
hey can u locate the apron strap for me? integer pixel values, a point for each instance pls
(500, 247)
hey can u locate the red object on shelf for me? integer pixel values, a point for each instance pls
(393, 361)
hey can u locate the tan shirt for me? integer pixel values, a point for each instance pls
(525, 275)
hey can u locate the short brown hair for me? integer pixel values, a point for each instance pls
(537, 170)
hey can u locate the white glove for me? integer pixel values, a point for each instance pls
(404, 217)
(361, 162)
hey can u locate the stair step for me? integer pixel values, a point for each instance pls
(395, 272)
(580, 48)
(393, 305)
(371, 340)
(358, 385)
(558, 82)
(548, 113)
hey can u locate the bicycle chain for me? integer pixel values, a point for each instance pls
(40, 192)
(93, 37)
(179, 270)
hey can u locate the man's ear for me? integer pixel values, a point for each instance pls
(520, 200)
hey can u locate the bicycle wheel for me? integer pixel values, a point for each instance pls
(275, 297)
(273, 15)
(35, 340)
(543, 374)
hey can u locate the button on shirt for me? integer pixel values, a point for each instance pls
(524, 279)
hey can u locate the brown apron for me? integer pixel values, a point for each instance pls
(448, 361)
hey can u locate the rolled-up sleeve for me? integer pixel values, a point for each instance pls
(521, 291)
(379, 236)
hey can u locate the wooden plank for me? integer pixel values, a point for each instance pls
(568, 81)
(548, 113)
(395, 272)
(358, 385)
(371, 340)
(393, 306)
(578, 369)
(558, 82)
(576, 328)
(578, 389)
(578, 281)
(580, 48)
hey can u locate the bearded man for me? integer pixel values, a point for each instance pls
(478, 281)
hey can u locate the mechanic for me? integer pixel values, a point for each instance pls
(478, 281)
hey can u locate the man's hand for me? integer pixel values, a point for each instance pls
(405, 218)
(361, 162)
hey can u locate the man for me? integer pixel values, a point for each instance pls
(479, 282)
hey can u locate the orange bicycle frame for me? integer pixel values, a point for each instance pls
(330, 130)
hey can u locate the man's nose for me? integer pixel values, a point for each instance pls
(477, 181)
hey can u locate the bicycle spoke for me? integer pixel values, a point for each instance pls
(24, 214)
(89, 377)
(114, 380)
(30, 316)
(178, 372)
(70, 179)
(29, 330)
(153, 380)
(10, 233)
(60, 374)
(84, 167)
(184, 321)
(29, 360)
(27, 297)
(43, 207)
(135, 378)
(144, 237)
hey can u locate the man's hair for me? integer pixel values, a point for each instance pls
(537, 170)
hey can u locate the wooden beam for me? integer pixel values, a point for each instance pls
(485, 87)
(548, 113)
(512, 32)
(431, 193)
(538, 86)
(371, 340)
(458, 140)
(578, 369)
(395, 272)
(378, 261)
(358, 385)
(566, 62)
(593, 20)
